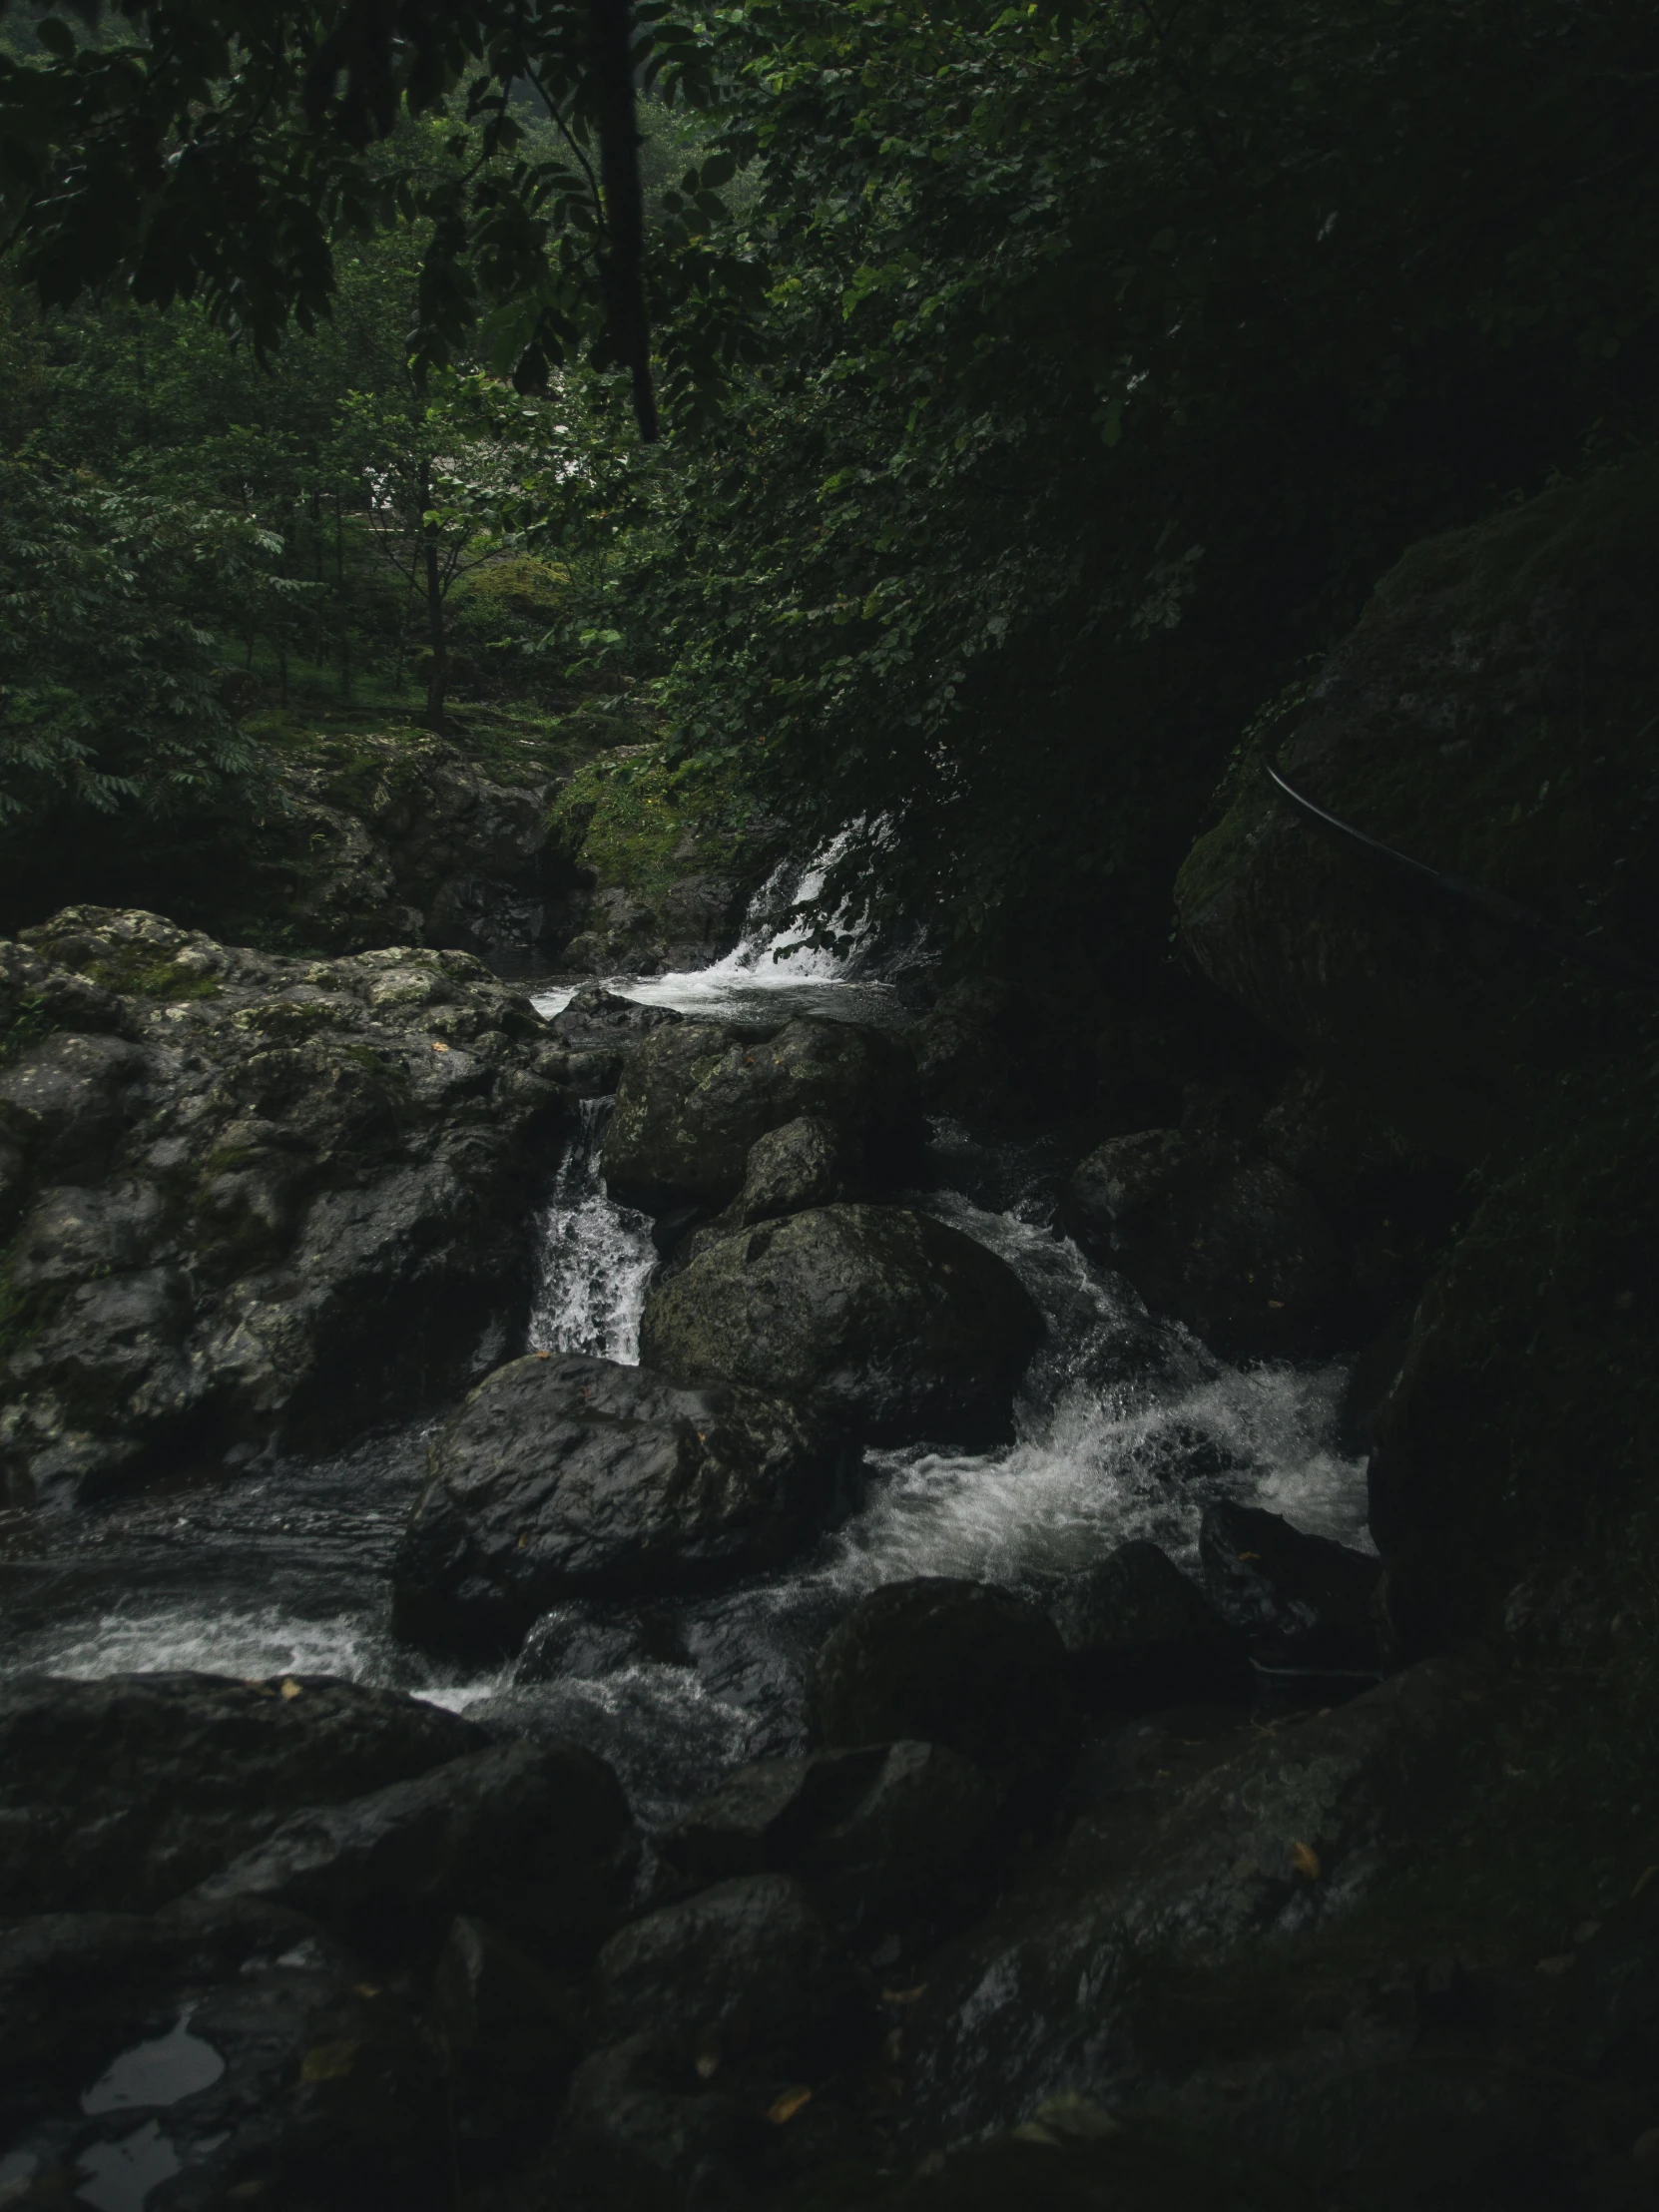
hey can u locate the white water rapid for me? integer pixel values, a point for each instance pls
(1125, 1427)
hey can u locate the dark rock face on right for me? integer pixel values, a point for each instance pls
(1141, 1635)
(1066, 1980)
(1301, 1600)
(576, 1476)
(1232, 1246)
(884, 1321)
(948, 1662)
(694, 1097)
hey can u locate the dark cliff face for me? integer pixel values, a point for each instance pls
(1494, 716)
(1491, 715)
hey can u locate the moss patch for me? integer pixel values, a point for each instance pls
(642, 825)
(133, 971)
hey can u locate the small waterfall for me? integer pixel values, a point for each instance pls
(596, 1257)
(757, 957)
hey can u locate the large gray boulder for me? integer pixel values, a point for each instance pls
(123, 1792)
(886, 1322)
(694, 1097)
(250, 1195)
(574, 1477)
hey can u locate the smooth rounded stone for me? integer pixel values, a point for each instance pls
(125, 1792)
(1301, 1600)
(747, 1963)
(261, 1198)
(574, 1477)
(885, 1321)
(1141, 1636)
(879, 1835)
(807, 1162)
(539, 1837)
(1231, 1244)
(693, 1099)
(240, 2048)
(959, 1663)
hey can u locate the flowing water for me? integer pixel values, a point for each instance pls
(1125, 1427)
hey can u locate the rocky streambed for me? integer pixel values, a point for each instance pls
(854, 1705)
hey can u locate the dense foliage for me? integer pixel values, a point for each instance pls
(1119, 349)
(216, 151)
(1109, 353)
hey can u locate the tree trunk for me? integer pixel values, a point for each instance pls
(437, 674)
(340, 600)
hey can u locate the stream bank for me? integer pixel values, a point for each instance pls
(1032, 1809)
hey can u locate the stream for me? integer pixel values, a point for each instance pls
(1125, 1427)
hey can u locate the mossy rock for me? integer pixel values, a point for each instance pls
(1492, 716)
(640, 823)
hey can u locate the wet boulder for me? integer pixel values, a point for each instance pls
(694, 1098)
(1214, 1237)
(538, 1837)
(879, 1836)
(1299, 1600)
(575, 1476)
(123, 1792)
(1068, 1979)
(1141, 1635)
(255, 1196)
(747, 1963)
(214, 2058)
(881, 1319)
(803, 1163)
(598, 1032)
(958, 1663)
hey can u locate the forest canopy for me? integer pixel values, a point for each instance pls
(1043, 387)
